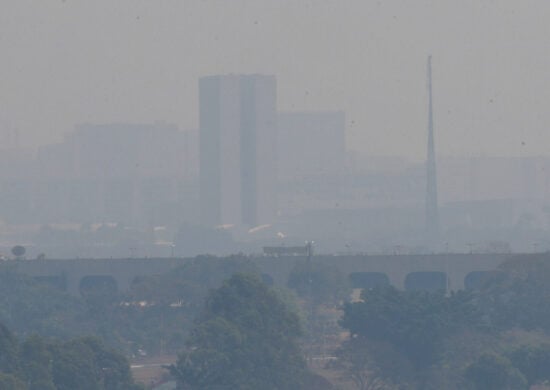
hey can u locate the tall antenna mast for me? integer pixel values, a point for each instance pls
(432, 210)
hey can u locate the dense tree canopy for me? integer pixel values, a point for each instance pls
(398, 339)
(397, 336)
(245, 338)
(496, 337)
(39, 364)
(491, 372)
(532, 362)
(154, 315)
(415, 323)
(32, 307)
(519, 295)
(169, 303)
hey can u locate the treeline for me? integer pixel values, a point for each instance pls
(154, 315)
(493, 338)
(233, 330)
(42, 364)
(246, 337)
(157, 312)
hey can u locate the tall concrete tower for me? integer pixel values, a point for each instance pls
(432, 209)
(238, 139)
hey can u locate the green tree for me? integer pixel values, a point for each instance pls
(85, 363)
(113, 367)
(8, 351)
(29, 307)
(74, 368)
(389, 326)
(532, 362)
(172, 301)
(519, 295)
(11, 382)
(491, 372)
(415, 323)
(245, 338)
(36, 363)
(82, 363)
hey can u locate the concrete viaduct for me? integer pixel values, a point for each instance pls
(449, 271)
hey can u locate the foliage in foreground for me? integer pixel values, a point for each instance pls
(492, 372)
(29, 307)
(154, 315)
(423, 340)
(40, 364)
(245, 338)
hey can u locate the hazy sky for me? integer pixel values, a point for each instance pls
(65, 62)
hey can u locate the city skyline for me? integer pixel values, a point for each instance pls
(365, 58)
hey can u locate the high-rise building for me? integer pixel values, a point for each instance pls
(238, 142)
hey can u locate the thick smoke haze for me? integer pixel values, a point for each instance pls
(68, 62)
